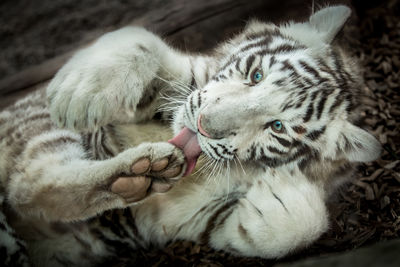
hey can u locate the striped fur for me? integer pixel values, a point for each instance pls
(261, 191)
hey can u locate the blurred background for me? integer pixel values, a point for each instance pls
(32, 31)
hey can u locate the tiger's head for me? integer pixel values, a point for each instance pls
(284, 96)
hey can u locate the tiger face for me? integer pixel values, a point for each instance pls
(283, 96)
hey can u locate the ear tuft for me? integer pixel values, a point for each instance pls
(328, 21)
(358, 145)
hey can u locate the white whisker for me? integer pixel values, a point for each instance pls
(240, 163)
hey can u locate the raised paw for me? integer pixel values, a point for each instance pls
(104, 82)
(149, 176)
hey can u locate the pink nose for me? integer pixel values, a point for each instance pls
(201, 130)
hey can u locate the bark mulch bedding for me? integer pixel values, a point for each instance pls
(367, 210)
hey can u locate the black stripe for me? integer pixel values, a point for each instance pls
(222, 77)
(52, 145)
(277, 198)
(339, 67)
(308, 81)
(281, 49)
(282, 141)
(302, 151)
(198, 99)
(271, 162)
(244, 234)
(309, 112)
(314, 135)
(249, 62)
(262, 152)
(237, 66)
(299, 129)
(347, 144)
(300, 101)
(321, 104)
(252, 152)
(351, 104)
(116, 217)
(267, 125)
(206, 77)
(193, 84)
(111, 224)
(297, 82)
(216, 151)
(272, 61)
(87, 141)
(310, 69)
(260, 43)
(275, 150)
(131, 222)
(287, 106)
(303, 163)
(287, 66)
(211, 223)
(191, 105)
(314, 95)
(117, 246)
(279, 82)
(94, 145)
(229, 62)
(44, 115)
(266, 32)
(325, 68)
(338, 101)
(106, 149)
(225, 149)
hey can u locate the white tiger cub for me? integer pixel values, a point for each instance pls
(271, 111)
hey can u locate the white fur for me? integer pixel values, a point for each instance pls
(66, 179)
(117, 69)
(273, 210)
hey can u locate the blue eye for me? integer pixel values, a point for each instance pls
(257, 76)
(277, 126)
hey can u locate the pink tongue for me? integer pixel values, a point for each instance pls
(187, 141)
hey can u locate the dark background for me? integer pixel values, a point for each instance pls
(32, 31)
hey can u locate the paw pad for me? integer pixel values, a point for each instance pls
(147, 177)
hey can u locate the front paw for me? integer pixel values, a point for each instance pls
(86, 94)
(155, 172)
(102, 83)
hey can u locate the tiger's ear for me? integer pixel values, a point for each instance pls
(328, 21)
(358, 145)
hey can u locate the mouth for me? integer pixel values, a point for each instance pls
(187, 141)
